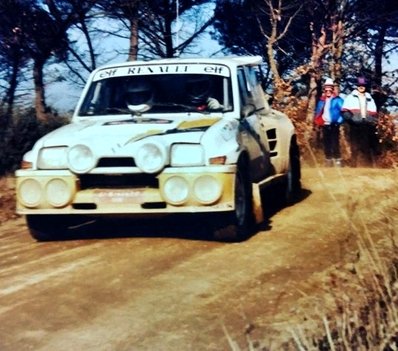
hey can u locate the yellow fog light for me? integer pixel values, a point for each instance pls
(30, 192)
(207, 189)
(58, 193)
(176, 190)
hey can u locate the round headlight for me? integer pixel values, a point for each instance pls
(150, 158)
(176, 190)
(207, 189)
(58, 193)
(30, 192)
(81, 159)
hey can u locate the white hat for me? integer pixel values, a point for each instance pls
(329, 81)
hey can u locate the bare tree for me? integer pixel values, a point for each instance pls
(280, 15)
(75, 14)
(129, 13)
(12, 53)
(152, 25)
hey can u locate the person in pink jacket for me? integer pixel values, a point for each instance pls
(359, 111)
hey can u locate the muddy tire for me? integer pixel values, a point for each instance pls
(237, 225)
(293, 177)
(50, 227)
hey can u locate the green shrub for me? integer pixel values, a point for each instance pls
(21, 135)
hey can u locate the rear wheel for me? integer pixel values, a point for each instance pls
(293, 178)
(238, 224)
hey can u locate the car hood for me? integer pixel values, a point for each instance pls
(123, 131)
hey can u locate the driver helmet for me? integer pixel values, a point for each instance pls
(198, 89)
(139, 95)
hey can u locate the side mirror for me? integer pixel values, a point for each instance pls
(247, 110)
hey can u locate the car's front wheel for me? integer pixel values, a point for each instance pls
(238, 224)
(50, 227)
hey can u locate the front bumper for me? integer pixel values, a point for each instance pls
(62, 192)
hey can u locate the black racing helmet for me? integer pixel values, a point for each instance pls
(198, 89)
(139, 92)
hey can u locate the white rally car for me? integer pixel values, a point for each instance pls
(155, 138)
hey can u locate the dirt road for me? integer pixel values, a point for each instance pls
(125, 288)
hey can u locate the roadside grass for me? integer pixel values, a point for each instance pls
(365, 314)
(361, 312)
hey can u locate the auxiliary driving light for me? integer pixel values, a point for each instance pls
(176, 190)
(58, 193)
(207, 189)
(30, 192)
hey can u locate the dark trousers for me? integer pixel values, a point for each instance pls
(331, 141)
(364, 143)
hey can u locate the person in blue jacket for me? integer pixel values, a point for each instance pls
(328, 117)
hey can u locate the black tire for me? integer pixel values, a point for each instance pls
(50, 227)
(238, 225)
(293, 177)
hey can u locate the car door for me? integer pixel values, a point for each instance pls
(254, 140)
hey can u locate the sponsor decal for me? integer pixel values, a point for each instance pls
(141, 70)
(124, 196)
(138, 121)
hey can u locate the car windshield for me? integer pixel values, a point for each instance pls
(158, 93)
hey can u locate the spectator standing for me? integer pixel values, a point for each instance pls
(328, 117)
(359, 110)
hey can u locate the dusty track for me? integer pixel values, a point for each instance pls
(119, 287)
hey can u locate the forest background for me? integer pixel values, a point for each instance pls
(45, 44)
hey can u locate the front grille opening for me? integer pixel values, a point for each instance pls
(118, 181)
(116, 162)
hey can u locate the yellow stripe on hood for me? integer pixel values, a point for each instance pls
(185, 125)
(144, 135)
(197, 123)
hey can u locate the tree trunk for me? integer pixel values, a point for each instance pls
(277, 81)
(337, 50)
(89, 44)
(133, 49)
(378, 55)
(318, 52)
(11, 95)
(379, 95)
(40, 104)
(168, 37)
(312, 95)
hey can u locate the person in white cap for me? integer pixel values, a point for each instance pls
(328, 117)
(359, 110)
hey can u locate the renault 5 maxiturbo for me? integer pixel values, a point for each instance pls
(165, 137)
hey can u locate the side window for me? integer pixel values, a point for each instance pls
(250, 89)
(244, 92)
